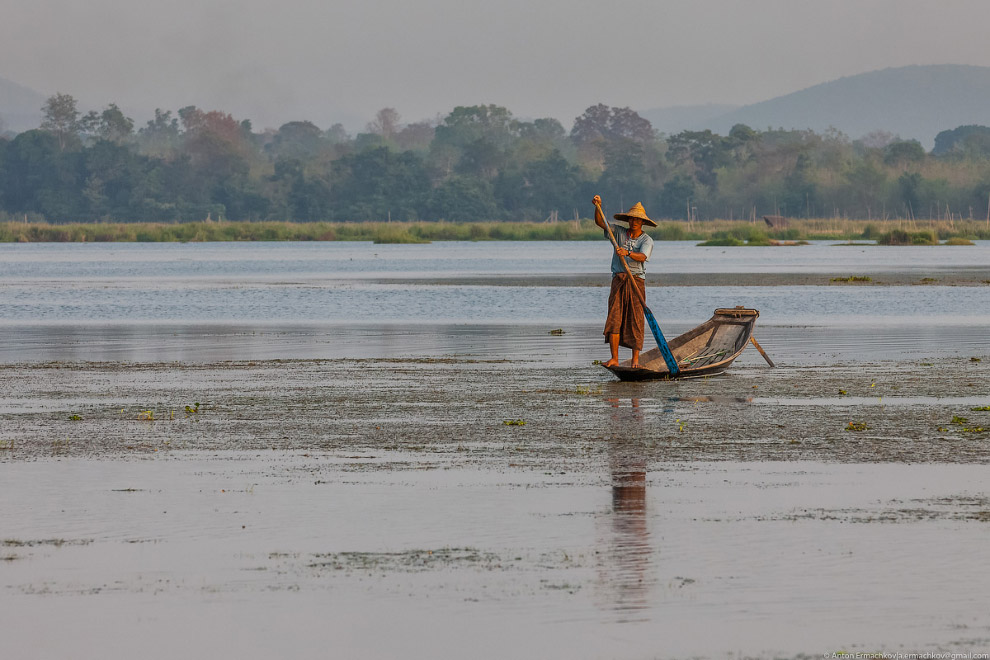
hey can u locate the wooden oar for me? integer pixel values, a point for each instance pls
(668, 357)
(762, 352)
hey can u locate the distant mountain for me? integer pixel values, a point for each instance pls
(913, 102)
(675, 119)
(20, 107)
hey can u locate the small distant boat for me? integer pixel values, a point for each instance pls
(706, 350)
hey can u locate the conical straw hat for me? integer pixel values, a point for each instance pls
(637, 211)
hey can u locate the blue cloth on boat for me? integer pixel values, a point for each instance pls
(643, 244)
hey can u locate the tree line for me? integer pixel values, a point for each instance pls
(478, 163)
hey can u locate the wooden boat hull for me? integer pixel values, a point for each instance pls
(706, 350)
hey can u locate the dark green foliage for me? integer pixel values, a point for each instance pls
(966, 141)
(539, 187)
(478, 164)
(379, 185)
(676, 195)
(463, 199)
(903, 152)
(902, 237)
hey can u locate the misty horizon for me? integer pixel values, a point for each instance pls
(342, 62)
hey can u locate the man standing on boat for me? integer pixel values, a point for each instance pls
(624, 324)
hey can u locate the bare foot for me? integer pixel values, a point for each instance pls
(611, 363)
(634, 365)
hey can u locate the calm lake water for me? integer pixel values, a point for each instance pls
(57, 300)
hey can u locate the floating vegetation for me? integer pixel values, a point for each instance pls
(514, 422)
(397, 234)
(587, 391)
(959, 240)
(974, 359)
(857, 426)
(596, 362)
(409, 561)
(956, 419)
(7, 445)
(556, 332)
(193, 409)
(852, 278)
(75, 418)
(903, 237)
(981, 408)
(727, 241)
(58, 543)
(147, 415)
(842, 393)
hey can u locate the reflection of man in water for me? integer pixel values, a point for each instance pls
(629, 552)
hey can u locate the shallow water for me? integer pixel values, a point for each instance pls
(635, 560)
(401, 517)
(362, 303)
(313, 261)
(526, 344)
(250, 300)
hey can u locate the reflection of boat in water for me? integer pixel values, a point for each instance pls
(706, 350)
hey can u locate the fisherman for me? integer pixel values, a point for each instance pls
(624, 324)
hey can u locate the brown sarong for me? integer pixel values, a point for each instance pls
(625, 311)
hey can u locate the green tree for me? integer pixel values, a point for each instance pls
(160, 137)
(625, 178)
(909, 187)
(701, 152)
(601, 127)
(379, 185)
(463, 199)
(800, 194)
(61, 119)
(677, 196)
(964, 141)
(473, 140)
(903, 152)
(39, 177)
(300, 140)
(600, 122)
(111, 171)
(534, 190)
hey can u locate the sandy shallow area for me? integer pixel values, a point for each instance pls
(457, 507)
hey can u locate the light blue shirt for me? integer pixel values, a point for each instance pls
(643, 244)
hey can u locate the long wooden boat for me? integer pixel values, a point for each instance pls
(706, 350)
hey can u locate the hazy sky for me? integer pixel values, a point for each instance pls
(330, 61)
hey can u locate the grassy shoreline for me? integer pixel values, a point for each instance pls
(719, 232)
